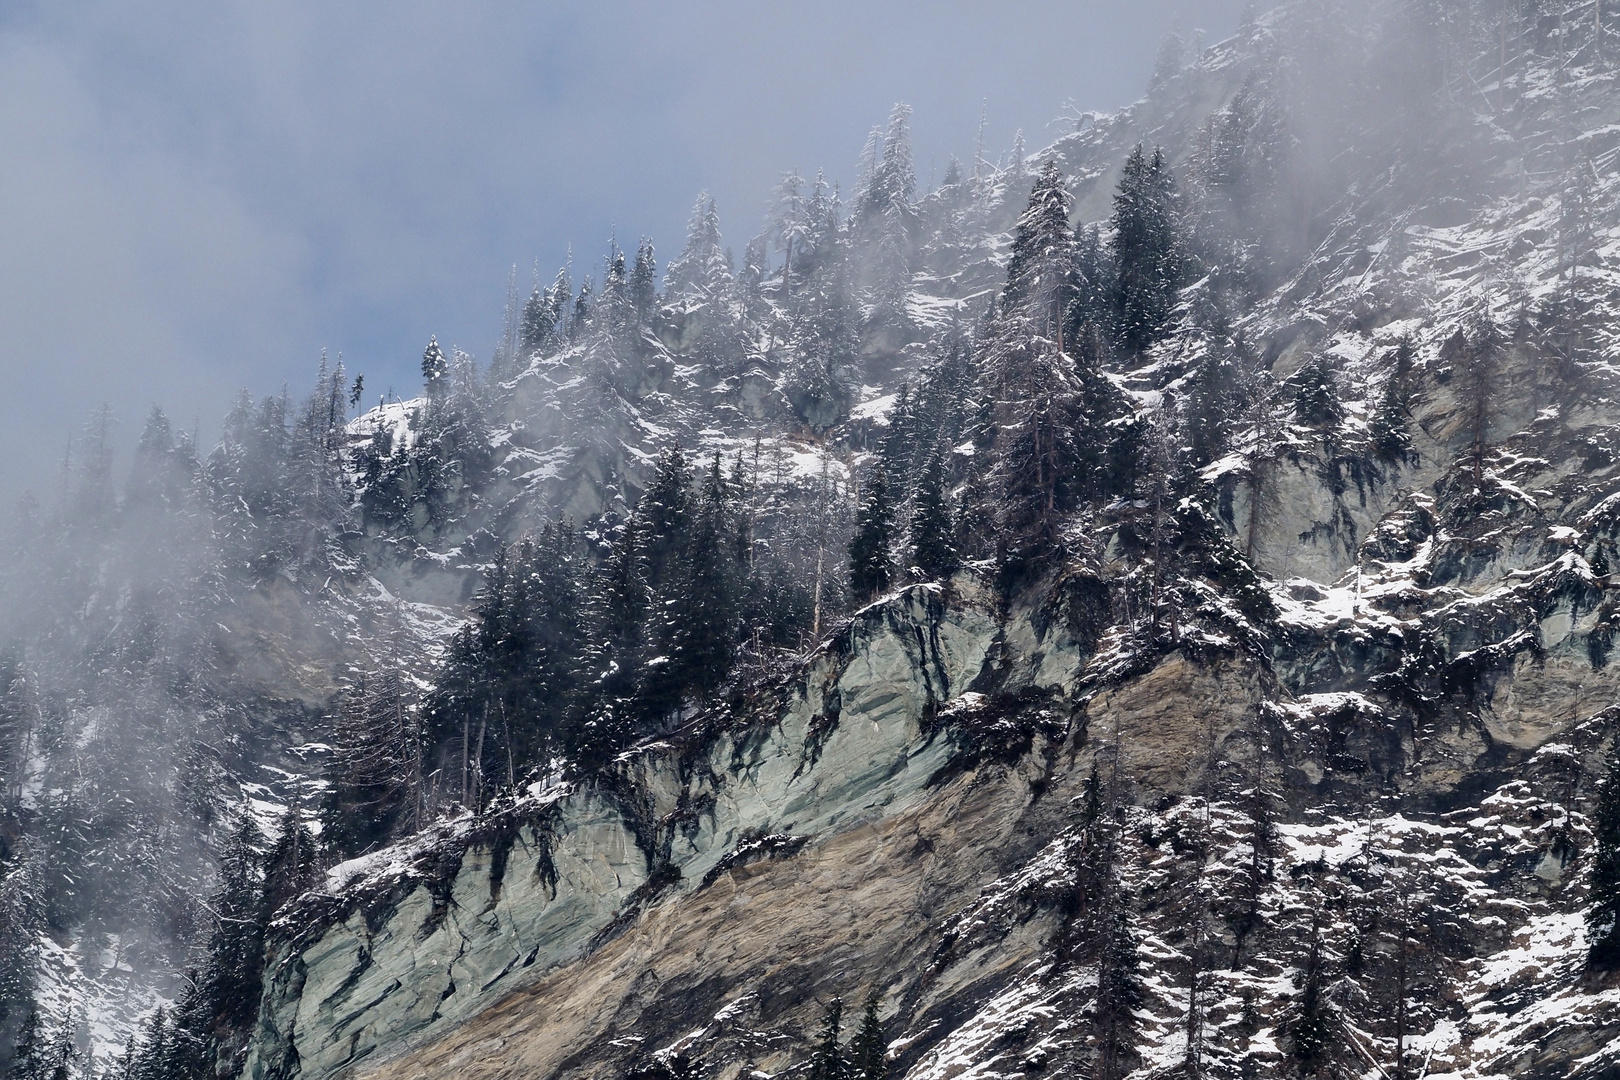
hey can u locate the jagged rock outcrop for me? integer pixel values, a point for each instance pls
(410, 943)
(1335, 804)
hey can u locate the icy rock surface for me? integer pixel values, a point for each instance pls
(436, 932)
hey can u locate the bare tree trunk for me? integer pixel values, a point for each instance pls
(1256, 491)
(478, 765)
(821, 549)
(1400, 1001)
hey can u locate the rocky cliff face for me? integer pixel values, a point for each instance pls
(412, 943)
(1402, 752)
(1337, 808)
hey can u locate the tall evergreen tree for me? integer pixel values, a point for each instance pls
(871, 568)
(932, 547)
(1046, 431)
(1147, 249)
(1603, 872)
(1312, 1033)
(696, 633)
(435, 371)
(1390, 428)
(1317, 399)
(1041, 269)
(291, 866)
(827, 1061)
(644, 281)
(701, 273)
(229, 986)
(510, 691)
(663, 517)
(30, 1058)
(868, 1053)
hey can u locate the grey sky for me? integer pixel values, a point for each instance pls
(200, 195)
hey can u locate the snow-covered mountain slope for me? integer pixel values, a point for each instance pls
(1345, 796)
(1287, 761)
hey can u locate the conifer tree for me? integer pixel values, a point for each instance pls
(644, 281)
(291, 866)
(933, 552)
(662, 516)
(616, 318)
(150, 1059)
(21, 920)
(535, 328)
(63, 1052)
(623, 604)
(699, 632)
(1031, 386)
(871, 568)
(1211, 407)
(1603, 873)
(580, 318)
(30, 1058)
(1313, 1027)
(230, 984)
(1316, 393)
(868, 1052)
(1041, 269)
(1119, 990)
(898, 449)
(891, 183)
(435, 371)
(701, 273)
(1147, 250)
(1389, 428)
(827, 1061)
(375, 783)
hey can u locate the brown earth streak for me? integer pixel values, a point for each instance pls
(858, 909)
(772, 942)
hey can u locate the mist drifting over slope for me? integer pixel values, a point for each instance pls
(1135, 605)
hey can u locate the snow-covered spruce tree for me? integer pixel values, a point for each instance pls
(1045, 439)
(1093, 282)
(621, 601)
(426, 488)
(1147, 250)
(435, 371)
(1603, 872)
(824, 322)
(868, 1053)
(871, 567)
(1317, 399)
(697, 630)
(20, 925)
(931, 532)
(1311, 1030)
(701, 273)
(293, 862)
(17, 726)
(898, 449)
(376, 765)
(30, 1056)
(538, 321)
(643, 287)
(1212, 404)
(1390, 427)
(508, 693)
(1119, 988)
(827, 1060)
(663, 516)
